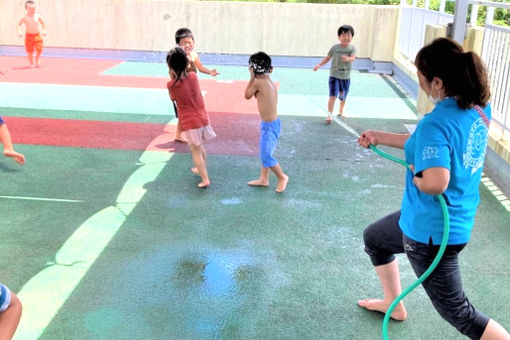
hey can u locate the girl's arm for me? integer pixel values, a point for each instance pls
(172, 98)
(374, 137)
(202, 68)
(323, 61)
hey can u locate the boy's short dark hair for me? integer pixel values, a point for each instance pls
(260, 63)
(345, 29)
(29, 3)
(182, 33)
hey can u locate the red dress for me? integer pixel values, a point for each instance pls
(190, 104)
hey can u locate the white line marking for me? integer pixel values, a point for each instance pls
(41, 199)
(345, 126)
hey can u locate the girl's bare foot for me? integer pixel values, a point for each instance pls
(328, 120)
(282, 183)
(194, 170)
(203, 184)
(258, 183)
(399, 313)
(17, 156)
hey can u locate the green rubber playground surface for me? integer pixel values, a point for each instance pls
(107, 243)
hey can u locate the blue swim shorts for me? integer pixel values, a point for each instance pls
(339, 87)
(5, 297)
(269, 134)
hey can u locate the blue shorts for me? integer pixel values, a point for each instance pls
(1, 121)
(339, 87)
(269, 134)
(5, 297)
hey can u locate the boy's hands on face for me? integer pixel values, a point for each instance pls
(252, 74)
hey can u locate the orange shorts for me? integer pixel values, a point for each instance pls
(33, 41)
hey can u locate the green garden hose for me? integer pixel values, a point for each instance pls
(444, 243)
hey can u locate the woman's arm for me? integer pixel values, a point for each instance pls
(375, 137)
(433, 181)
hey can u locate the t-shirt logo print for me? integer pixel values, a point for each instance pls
(476, 145)
(430, 152)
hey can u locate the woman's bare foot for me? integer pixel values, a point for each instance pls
(282, 184)
(399, 313)
(195, 170)
(17, 156)
(328, 120)
(203, 184)
(258, 183)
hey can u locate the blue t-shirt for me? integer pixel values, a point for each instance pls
(455, 139)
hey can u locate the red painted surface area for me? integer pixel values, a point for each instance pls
(220, 96)
(237, 134)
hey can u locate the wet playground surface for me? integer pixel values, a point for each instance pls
(106, 237)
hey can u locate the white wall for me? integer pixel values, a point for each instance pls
(219, 27)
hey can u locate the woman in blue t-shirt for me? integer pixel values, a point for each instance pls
(446, 152)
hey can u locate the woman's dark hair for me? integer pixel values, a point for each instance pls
(182, 33)
(464, 75)
(345, 29)
(260, 63)
(177, 60)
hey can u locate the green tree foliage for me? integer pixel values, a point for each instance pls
(501, 15)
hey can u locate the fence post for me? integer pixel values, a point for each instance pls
(442, 5)
(459, 21)
(489, 16)
(474, 14)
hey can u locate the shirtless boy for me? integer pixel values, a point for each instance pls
(33, 39)
(261, 86)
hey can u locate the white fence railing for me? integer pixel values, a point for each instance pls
(412, 28)
(495, 50)
(496, 55)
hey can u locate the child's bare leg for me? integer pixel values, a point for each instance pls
(178, 133)
(263, 180)
(9, 319)
(197, 153)
(342, 105)
(204, 155)
(283, 179)
(5, 139)
(31, 59)
(331, 105)
(37, 62)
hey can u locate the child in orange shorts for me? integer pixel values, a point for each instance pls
(33, 39)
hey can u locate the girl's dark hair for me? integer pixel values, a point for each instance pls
(260, 62)
(182, 33)
(345, 29)
(177, 60)
(464, 75)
